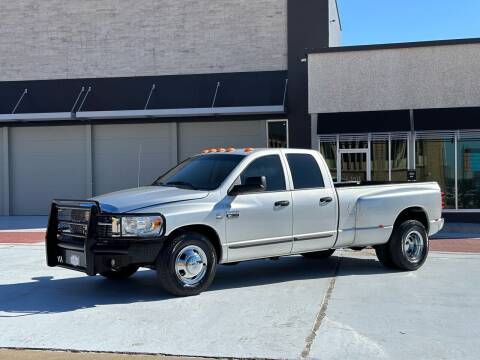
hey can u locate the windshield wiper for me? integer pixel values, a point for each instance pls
(181, 184)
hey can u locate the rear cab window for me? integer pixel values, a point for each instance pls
(306, 173)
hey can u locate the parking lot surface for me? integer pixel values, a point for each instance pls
(348, 306)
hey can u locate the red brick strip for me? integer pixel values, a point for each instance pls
(443, 245)
(22, 237)
(456, 245)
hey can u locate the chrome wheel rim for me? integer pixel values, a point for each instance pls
(191, 265)
(413, 245)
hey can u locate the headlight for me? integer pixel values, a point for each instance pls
(142, 226)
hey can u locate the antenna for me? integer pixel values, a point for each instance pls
(139, 165)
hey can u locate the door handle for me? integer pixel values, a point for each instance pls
(326, 200)
(233, 214)
(282, 203)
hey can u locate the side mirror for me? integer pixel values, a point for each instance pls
(254, 184)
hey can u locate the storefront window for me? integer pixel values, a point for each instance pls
(468, 174)
(329, 152)
(359, 144)
(435, 161)
(379, 152)
(354, 167)
(399, 159)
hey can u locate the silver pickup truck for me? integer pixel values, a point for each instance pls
(226, 205)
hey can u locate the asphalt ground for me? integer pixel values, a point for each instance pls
(348, 306)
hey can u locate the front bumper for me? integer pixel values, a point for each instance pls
(88, 250)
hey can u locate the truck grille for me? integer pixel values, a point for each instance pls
(72, 226)
(104, 227)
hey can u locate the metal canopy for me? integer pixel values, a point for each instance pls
(193, 112)
(142, 114)
(203, 95)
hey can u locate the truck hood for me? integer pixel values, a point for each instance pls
(144, 197)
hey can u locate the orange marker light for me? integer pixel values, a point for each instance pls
(213, 150)
(230, 149)
(248, 149)
(221, 150)
(206, 151)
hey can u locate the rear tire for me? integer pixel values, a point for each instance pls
(187, 264)
(120, 274)
(383, 255)
(407, 248)
(409, 245)
(319, 254)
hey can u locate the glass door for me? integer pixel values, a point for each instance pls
(354, 165)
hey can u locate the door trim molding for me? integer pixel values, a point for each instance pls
(322, 235)
(261, 242)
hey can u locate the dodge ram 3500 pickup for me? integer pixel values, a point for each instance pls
(226, 206)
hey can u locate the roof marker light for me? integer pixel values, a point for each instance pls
(230, 149)
(248, 149)
(221, 150)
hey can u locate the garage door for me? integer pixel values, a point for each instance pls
(194, 137)
(46, 163)
(128, 154)
(3, 191)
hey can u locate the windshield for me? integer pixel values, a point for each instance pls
(205, 172)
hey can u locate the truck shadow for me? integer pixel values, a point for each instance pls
(44, 295)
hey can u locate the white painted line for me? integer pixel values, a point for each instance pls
(23, 230)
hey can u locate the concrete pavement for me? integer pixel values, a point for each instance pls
(346, 307)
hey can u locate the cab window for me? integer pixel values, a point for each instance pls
(305, 171)
(269, 166)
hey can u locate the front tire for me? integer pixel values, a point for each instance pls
(120, 274)
(407, 248)
(187, 264)
(318, 255)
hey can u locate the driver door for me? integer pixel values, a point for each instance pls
(260, 224)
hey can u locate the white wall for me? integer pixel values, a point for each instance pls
(111, 38)
(392, 79)
(334, 26)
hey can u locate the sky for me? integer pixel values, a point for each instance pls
(390, 21)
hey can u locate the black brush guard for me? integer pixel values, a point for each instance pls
(73, 240)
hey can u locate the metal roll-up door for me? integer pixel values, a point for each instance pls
(128, 155)
(46, 163)
(196, 136)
